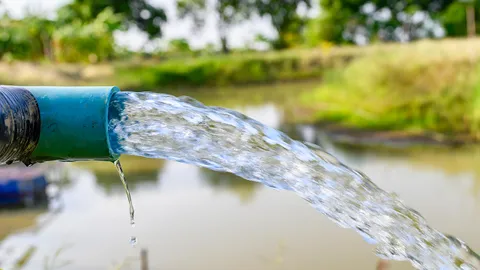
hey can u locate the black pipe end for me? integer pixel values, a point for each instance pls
(19, 125)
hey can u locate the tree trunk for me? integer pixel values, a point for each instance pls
(223, 40)
(470, 20)
(47, 46)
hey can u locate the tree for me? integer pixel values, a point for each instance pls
(404, 20)
(29, 38)
(137, 12)
(284, 18)
(228, 12)
(87, 41)
(454, 18)
(179, 45)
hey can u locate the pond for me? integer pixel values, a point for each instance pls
(193, 218)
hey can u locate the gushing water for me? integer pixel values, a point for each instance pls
(183, 129)
(118, 166)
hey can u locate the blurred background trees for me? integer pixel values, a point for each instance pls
(87, 40)
(84, 30)
(27, 39)
(285, 19)
(134, 12)
(227, 12)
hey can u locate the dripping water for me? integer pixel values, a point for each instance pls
(118, 166)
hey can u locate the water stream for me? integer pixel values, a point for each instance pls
(182, 129)
(118, 166)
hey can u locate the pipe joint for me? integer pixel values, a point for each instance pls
(20, 125)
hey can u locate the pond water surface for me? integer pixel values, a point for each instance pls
(192, 218)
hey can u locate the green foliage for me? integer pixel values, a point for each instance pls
(179, 45)
(285, 19)
(327, 27)
(343, 19)
(194, 8)
(87, 41)
(232, 69)
(27, 39)
(313, 35)
(282, 14)
(78, 35)
(454, 19)
(138, 12)
(209, 49)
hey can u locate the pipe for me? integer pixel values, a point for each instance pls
(72, 123)
(19, 124)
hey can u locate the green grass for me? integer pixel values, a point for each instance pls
(429, 86)
(219, 71)
(199, 72)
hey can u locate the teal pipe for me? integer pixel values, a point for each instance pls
(74, 123)
(55, 123)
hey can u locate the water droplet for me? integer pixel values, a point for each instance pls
(133, 241)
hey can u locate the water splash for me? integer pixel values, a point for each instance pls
(183, 129)
(118, 166)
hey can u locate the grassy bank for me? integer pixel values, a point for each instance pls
(423, 87)
(208, 71)
(428, 86)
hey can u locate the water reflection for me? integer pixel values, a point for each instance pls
(13, 221)
(38, 189)
(111, 184)
(220, 181)
(258, 97)
(451, 161)
(441, 182)
(139, 172)
(23, 187)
